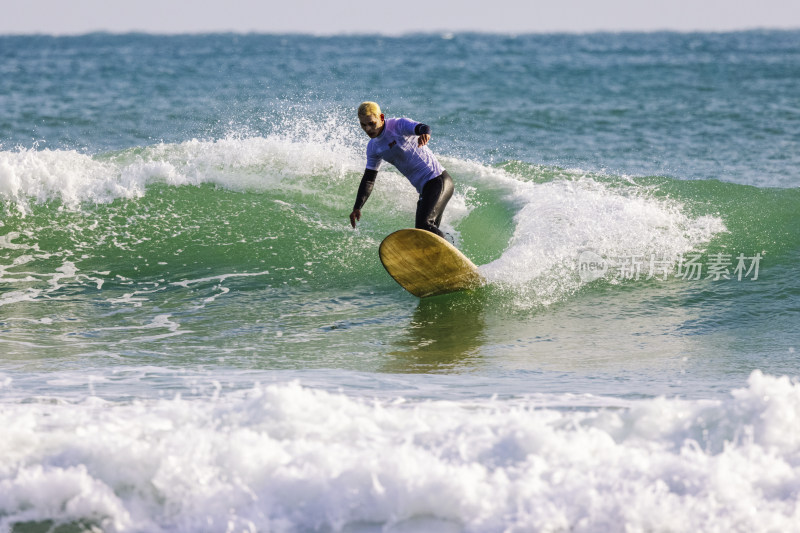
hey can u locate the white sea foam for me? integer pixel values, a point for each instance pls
(557, 220)
(288, 458)
(72, 177)
(238, 162)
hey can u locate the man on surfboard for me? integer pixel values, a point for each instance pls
(402, 142)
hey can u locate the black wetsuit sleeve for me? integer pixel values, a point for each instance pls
(422, 129)
(365, 189)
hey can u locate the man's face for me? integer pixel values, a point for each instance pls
(371, 125)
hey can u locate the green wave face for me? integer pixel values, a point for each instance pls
(182, 218)
(246, 244)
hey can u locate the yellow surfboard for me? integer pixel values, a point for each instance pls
(424, 264)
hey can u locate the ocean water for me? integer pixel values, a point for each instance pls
(192, 337)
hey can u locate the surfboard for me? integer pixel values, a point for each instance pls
(425, 265)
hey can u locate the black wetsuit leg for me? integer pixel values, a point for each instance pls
(435, 195)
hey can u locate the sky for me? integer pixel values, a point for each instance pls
(64, 17)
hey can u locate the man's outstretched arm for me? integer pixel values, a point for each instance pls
(364, 190)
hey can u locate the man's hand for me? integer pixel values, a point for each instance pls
(423, 139)
(355, 215)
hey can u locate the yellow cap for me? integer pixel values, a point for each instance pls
(369, 109)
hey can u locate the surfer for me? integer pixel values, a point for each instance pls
(403, 143)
